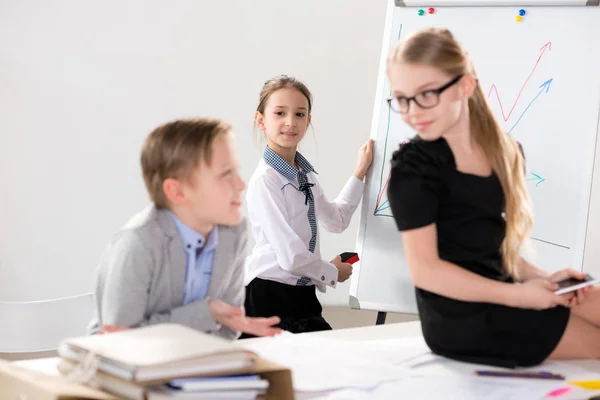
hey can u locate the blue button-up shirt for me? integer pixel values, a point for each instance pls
(199, 255)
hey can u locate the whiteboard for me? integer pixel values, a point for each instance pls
(542, 77)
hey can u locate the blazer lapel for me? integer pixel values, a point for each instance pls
(176, 255)
(178, 268)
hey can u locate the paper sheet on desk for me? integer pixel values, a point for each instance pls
(45, 365)
(321, 364)
(409, 352)
(413, 353)
(447, 388)
(573, 370)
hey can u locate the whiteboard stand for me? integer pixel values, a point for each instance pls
(544, 48)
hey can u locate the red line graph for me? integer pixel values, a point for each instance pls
(547, 46)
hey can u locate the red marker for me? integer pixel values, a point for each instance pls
(349, 257)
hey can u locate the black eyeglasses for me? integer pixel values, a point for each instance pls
(427, 99)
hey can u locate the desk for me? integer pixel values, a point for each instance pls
(406, 329)
(448, 367)
(390, 331)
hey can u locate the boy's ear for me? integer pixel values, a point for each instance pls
(259, 119)
(173, 191)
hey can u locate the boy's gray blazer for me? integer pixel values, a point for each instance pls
(141, 277)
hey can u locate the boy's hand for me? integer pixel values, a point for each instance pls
(234, 319)
(344, 269)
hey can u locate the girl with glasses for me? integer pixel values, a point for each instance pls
(457, 192)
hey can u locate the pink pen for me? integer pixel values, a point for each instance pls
(559, 392)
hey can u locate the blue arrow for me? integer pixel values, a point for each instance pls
(544, 87)
(382, 208)
(536, 177)
(383, 204)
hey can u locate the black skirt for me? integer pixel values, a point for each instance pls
(297, 306)
(490, 334)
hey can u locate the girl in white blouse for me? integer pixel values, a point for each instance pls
(285, 207)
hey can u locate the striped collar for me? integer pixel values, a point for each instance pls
(285, 168)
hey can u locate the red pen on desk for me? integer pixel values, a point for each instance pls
(519, 374)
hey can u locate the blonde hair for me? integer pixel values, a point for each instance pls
(438, 48)
(174, 149)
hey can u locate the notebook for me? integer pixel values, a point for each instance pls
(230, 385)
(230, 382)
(157, 354)
(165, 393)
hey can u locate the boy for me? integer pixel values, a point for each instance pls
(181, 260)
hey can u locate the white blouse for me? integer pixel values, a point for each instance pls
(278, 213)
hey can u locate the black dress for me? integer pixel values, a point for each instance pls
(425, 187)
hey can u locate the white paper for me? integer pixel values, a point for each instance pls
(409, 352)
(47, 366)
(324, 368)
(447, 388)
(320, 364)
(579, 370)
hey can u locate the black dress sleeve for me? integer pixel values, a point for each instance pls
(413, 189)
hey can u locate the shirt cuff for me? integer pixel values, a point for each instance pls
(353, 190)
(329, 274)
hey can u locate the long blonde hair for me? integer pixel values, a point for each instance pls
(438, 48)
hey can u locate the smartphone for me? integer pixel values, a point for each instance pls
(571, 284)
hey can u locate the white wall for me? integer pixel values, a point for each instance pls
(82, 84)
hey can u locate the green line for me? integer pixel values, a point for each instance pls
(383, 204)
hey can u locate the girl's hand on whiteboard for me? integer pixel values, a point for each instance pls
(538, 294)
(365, 158)
(344, 269)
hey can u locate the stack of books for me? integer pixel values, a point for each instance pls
(171, 361)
